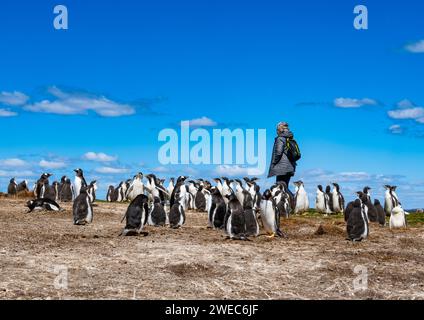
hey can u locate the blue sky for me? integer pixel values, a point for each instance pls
(351, 97)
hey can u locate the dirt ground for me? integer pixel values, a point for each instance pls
(44, 256)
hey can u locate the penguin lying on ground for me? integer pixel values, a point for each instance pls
(43, 204)
(357, 224)
(82, 208)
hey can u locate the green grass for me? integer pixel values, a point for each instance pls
(415, 219)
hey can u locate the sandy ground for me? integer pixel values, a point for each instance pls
(43, 256)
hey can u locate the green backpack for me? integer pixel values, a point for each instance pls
(292, 150)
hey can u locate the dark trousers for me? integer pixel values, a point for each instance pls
(286, 178)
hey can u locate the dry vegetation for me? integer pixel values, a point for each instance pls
(315, 262)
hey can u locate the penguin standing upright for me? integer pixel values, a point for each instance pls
(79, 182)
(338, 199)
(110, 194)
(136, 187)
(252, 226)
(371, 211)
(217, 211)
(82, 208)
(91, 190)
(269, 215)
(301, 198)
(119, 192)
(200, 200)
(239, 190)
(66, 190)
(177, 214)
(398, 218)
(235, 221)
(157, 215)
(357, 224)
(320, 201)
(136, 216)
(391, 199)
(52, 191)
(381, 216)
(41, 185)
(155, 188)
(179, 192)
(12, 189)
(171, 185)
(329, 200)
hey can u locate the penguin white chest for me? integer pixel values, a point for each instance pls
(268, 216)
(397, 218)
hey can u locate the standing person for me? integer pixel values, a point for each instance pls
(283, 161)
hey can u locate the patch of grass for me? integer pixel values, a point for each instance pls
(415, 219)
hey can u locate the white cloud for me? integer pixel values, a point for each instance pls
(7, 113)
(52, 164)
(354, 103)
(14, 162)
(417, 47)
(411, 113)
(110, 170)
(13, 98)
(17, 174)
(405, 104)
(237, 171)
(80, 104)
(396, 129)
(161, 170)
(202, 122)
(99, 157)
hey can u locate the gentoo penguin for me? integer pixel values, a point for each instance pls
(200, 200)
(82, 208)
(155, 188)
(171, 185)
(254, 190)
(91, 190)
(371, 211)
(223, 186)
(381, 216)
(398, 218)
(282, 199)
(217, 211)
(119, 192)
(251, 222)
(23, 186)
(66, 190)
(52, 191)
(136, 216)
(357, 224)
(179, 192)
(79, 182)
(338, 199)
(208, 199)
(177, 213)
(12, 189)
(157, 214)
(329, 199)
(41, 185)
(270, 216)
(367, 192)
(320, 201)
(348, 210)
(240, 191)
(136, 187)
(235, 221)
(301, 198)
(42, 204)
(110, 194)
(192, 189)
(391, 199)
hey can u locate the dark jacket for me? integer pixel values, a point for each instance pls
(280, 163)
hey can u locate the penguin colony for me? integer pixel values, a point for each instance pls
(236, 207)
